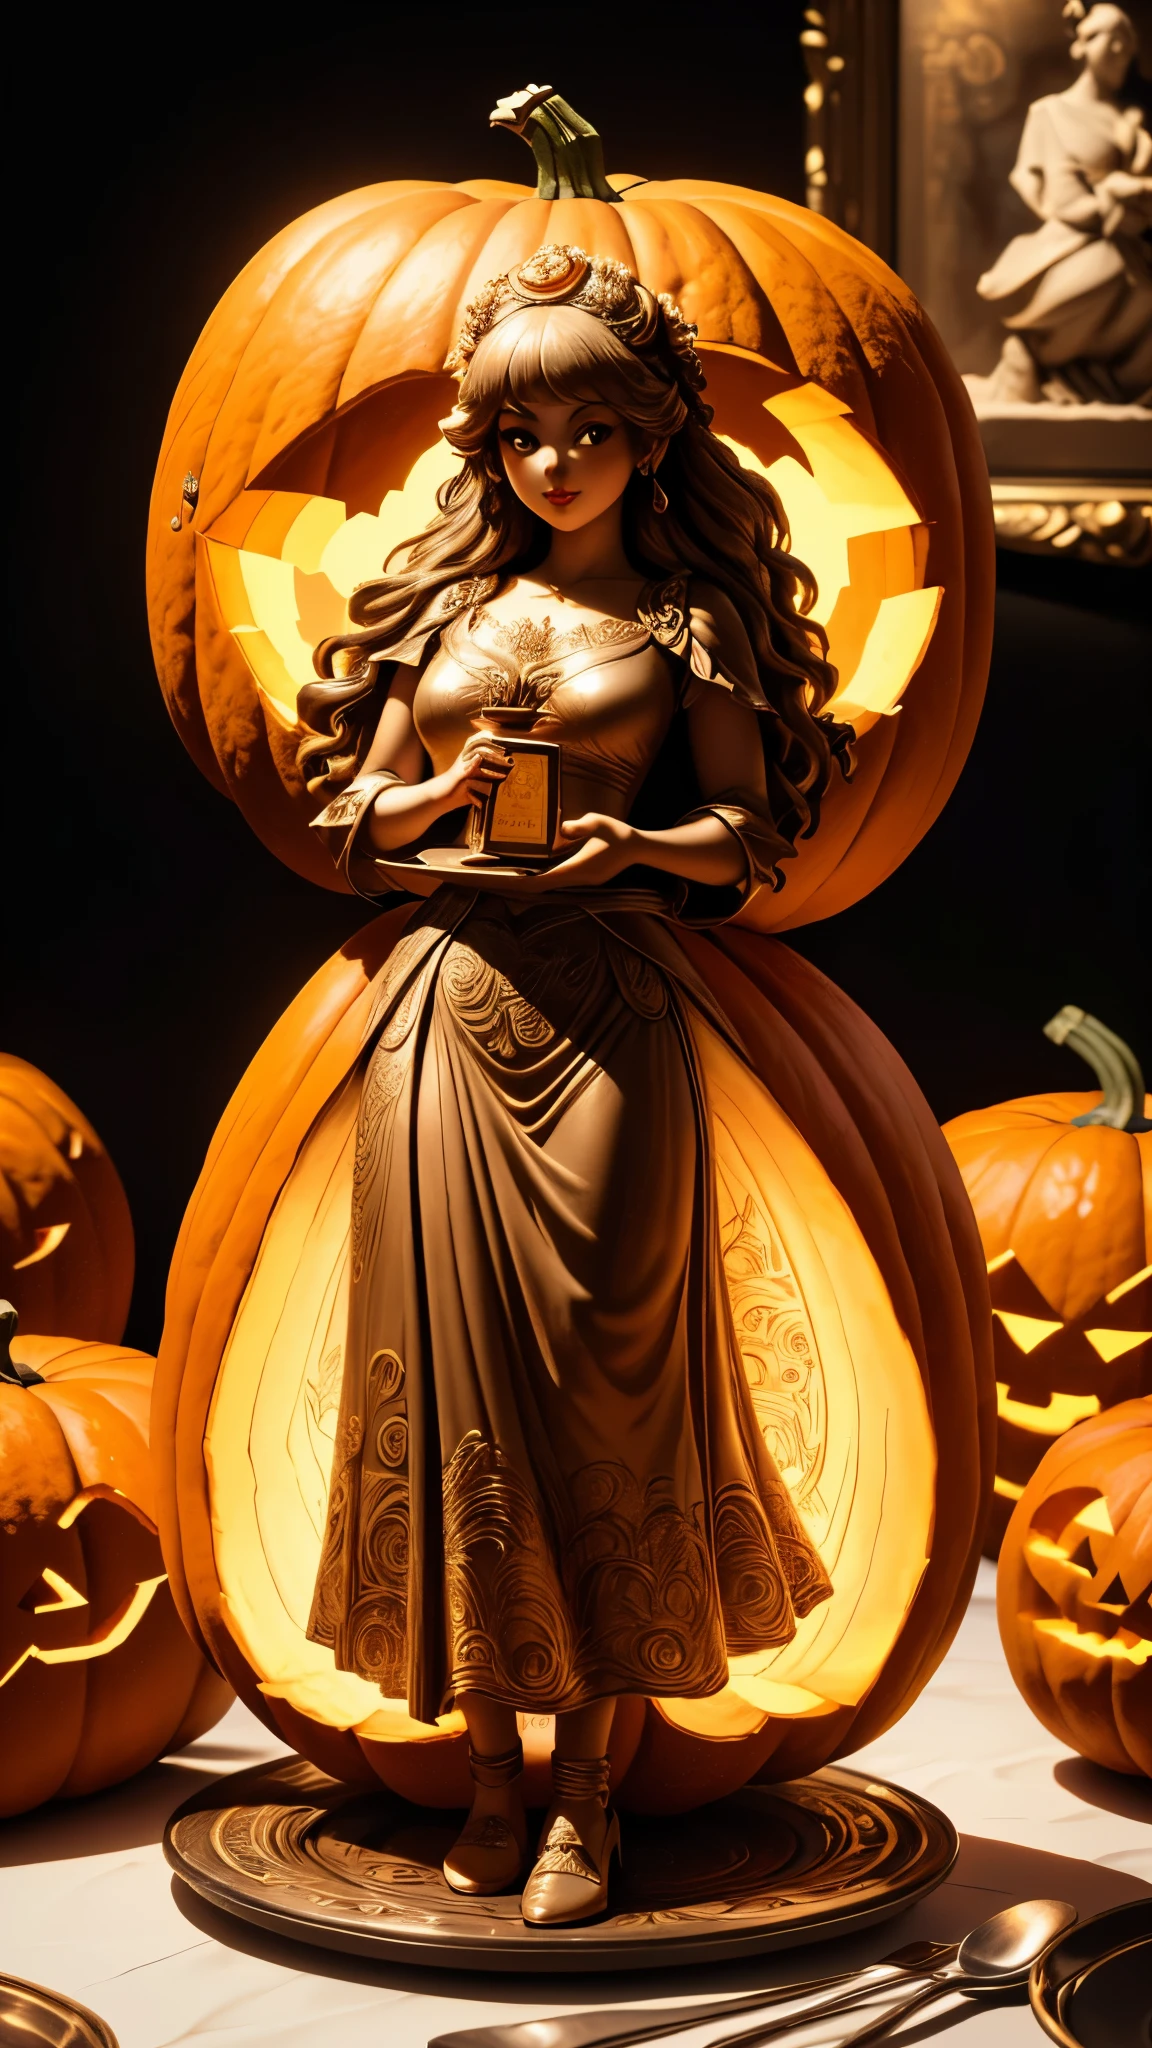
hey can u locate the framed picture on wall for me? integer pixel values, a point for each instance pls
(999, 154)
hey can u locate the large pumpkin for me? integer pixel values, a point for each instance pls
(1062, 1189)
(97, 1676)
(862, 1312)
(66, 1248)
(1073, 1586)
(302, 444)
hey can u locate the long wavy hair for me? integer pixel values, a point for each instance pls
(723, 523)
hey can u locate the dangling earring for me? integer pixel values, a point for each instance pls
(659, 496)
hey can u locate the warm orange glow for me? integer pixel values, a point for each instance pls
(1058, 1414)
(851, 521)
(1027, 1332)
(1126, 1286)
(117, 1632)
(850, 1429)
(1110, 1344)
(66, 1595)
(47, 1240)
(1097, 1649)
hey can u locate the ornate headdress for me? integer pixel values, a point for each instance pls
(561, 275)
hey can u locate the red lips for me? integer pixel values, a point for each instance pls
(560, 497)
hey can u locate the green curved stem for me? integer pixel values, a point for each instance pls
(11, 1374)
(1114, 1064)
(568, 151)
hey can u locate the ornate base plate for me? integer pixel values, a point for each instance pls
(768, 1867)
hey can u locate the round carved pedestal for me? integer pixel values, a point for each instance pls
(771, 1866)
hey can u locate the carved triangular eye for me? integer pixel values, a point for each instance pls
(1012, 1290)
(46, 1240)
(1027, 1331)
(51, 1594)
(1110, 1344)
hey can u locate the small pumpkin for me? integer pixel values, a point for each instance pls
(1062, 1189)
(854, 1405)
(66, 1245)
(1072, 1589)
(97, 1676)
(303, 444)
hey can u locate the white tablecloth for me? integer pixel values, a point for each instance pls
(88, 1906)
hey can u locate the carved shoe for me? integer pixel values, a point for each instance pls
(568, 1882)
(488, 1855)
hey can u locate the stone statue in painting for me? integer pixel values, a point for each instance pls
(1076, 292)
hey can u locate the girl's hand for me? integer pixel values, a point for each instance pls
(481, 763)
(603, 848)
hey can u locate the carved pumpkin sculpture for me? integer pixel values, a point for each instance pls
(66, 1247)
(303, 444)
(97, 1676)
(1073, 1589)
(1061, 1187)
(863, 1321)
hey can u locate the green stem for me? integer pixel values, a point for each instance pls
(1114, 1064)
(12, 1374)
(568, 151)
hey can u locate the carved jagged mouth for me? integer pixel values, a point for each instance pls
(51, 1593)
(115, 1632)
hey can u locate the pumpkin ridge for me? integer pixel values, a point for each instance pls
(812, 313)
(221, 421)
(225, 315)
(272, 441)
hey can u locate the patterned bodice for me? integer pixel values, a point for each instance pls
(605, 693)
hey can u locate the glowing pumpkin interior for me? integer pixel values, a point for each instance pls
(288, 552)
(834, 1383)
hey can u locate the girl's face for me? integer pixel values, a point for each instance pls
(567, 463)
(1109, 48)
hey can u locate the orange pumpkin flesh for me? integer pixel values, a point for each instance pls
(66, 1245)
(854, 1105)
(1064, 1209)
(1073, 1589)
(317, 384)
(97, 1675)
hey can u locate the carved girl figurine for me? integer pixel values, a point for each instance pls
(549, 1485)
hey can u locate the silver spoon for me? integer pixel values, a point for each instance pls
(999, 1952)
(995, 1956)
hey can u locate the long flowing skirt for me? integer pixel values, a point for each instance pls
(549, 1483)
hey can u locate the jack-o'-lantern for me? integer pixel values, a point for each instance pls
(97, 1676)
(1073, 1589)
(1060, 1185)
(860, 1303)
(66, 1247)
(303, 445)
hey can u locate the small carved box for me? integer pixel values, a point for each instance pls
(519, 817)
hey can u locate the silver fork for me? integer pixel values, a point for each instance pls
(616, 2028)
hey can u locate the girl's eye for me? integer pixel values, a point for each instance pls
(519, 440)
(593, 433)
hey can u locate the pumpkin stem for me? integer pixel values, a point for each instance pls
(1114, 1064)
(11, 1373)
(569, 154)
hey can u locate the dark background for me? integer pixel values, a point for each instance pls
(149, 941)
